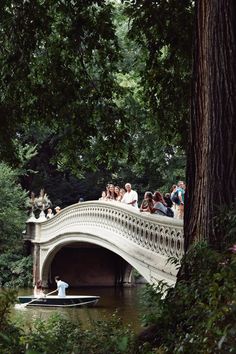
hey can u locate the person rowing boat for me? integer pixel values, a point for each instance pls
(61, 286)
(60, 300)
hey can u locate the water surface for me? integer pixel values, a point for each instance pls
(125, 302)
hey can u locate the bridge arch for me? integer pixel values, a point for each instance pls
(80, 241)
(144, 241)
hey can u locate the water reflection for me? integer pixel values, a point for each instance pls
(123, 301)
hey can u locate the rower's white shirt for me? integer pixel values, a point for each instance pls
(130, 197)
(61, 287)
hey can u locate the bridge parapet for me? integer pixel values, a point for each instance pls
(159, 234)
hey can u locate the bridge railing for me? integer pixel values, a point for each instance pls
(160, 234)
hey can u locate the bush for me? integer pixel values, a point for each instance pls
(16, 270)
(9, 333)
(61, 336)
(199, 314)
(56, 335)
(12, 209)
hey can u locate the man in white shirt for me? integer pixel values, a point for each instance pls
(61, 286)
(130, 197)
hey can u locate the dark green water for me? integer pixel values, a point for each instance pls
(123, 301)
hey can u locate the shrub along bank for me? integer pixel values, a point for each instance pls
(199, 314)
(15, 264)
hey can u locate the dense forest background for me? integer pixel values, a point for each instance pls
(90, 95)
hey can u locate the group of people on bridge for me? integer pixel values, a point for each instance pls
(50, 213)
(171, 204)
(127, 195)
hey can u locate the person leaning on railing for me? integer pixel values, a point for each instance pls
(160, 206)
(147, 203)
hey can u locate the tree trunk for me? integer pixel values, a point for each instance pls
(211, 166)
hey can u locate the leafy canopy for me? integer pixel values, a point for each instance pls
(57, 61)
(12, 208)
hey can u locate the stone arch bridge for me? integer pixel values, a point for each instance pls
(101, 243)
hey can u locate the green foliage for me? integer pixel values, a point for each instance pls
(199, 313)
(12, 209)
(151, 302)
(71, 84)
(15, 270)
(108, 337)
(165, 29)
(25, 153)
(225, 223)
(57, 69)
(59, 335)
(9, 333)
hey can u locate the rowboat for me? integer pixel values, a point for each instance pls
(56, 301)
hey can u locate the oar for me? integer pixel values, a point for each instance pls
(37, 298)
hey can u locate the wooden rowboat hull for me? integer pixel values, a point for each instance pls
(56, 301)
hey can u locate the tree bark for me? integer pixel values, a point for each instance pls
(211, 165)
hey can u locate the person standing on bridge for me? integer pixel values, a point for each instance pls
(57, 209)
(49, 214)
(130, 197)
(61, 286)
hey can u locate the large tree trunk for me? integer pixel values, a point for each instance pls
(211, 167)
